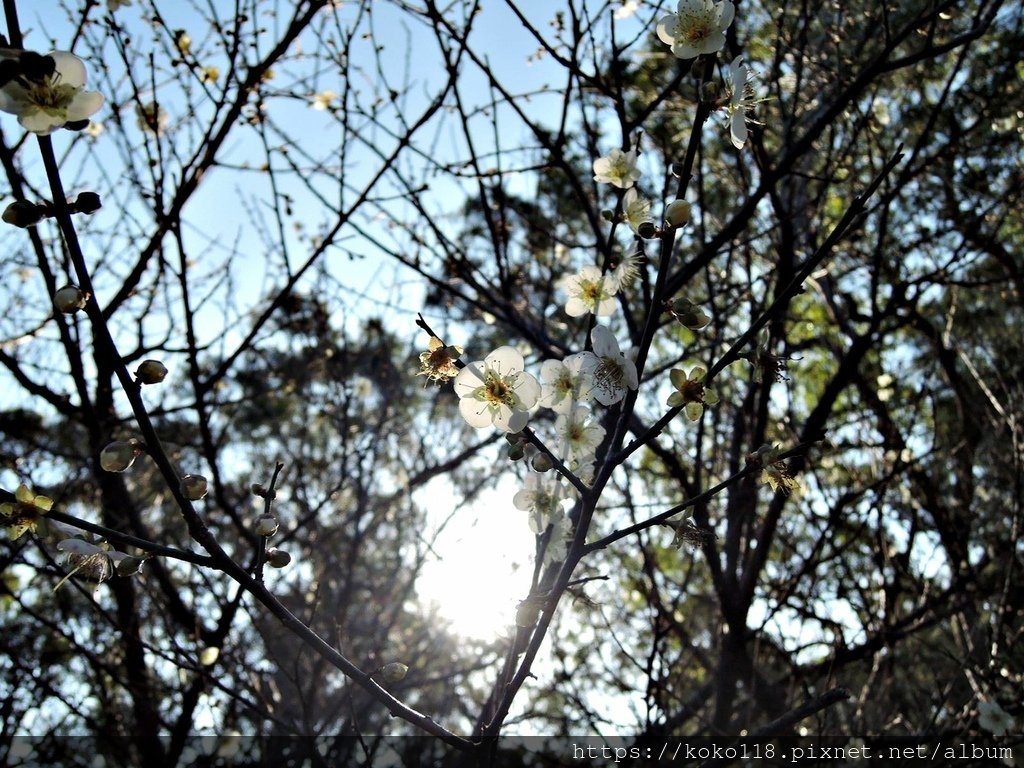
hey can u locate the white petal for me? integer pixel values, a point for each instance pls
(606, 307)
(469, 380)
(505, 361)
(552, 370)
(727, 14)
(79, 547)
(684, 50)
(576, 307)
(738, 129)
(475, 412)
(70, 68)
(501, 416)
(516, 421)
(84, 105)
(41, 123)
(666, 24)
(629, 368)
(527, 389)
(604, 342)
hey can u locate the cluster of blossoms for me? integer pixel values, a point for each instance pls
(499, 392)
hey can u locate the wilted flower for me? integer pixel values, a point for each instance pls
(741, 101)
(438, 362)
(589, 291)
(697, 27)
(497, 391)
(565, 382)
(691, 392)
(617, 168)
(766, 365)
(24, 512)
(774, 472)
(47, 92)
(687, 532)
(615, 373)
(94, 562)
(628, 269)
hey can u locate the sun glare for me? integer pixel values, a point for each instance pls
(483, 568)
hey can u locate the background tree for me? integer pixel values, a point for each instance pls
(283, 189)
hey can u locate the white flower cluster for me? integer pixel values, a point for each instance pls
(498, 391)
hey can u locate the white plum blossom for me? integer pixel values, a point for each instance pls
(566, 382)
(497, 391)
(617, 168)
(92, 561)
(152, 118)
(741, 100)
(558, 543)
(46, 98)
(542, 498)
(615, 373)
(635, 209)
(697, 27)
(580, 434)
(994, 719)
(323, 100)
(627, 9)
(589, 291)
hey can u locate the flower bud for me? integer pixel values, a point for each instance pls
(394, 671)
(193, 487)
(151, 372)
(516, 452)
(266, 525)
(278, 558)
(36, 66)
(119, 455)
(542, 462)
(87, 202)
(260, 489)
(22, 213)
(646, 230)
(69, 299)
(677, 213)
(608, 215)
